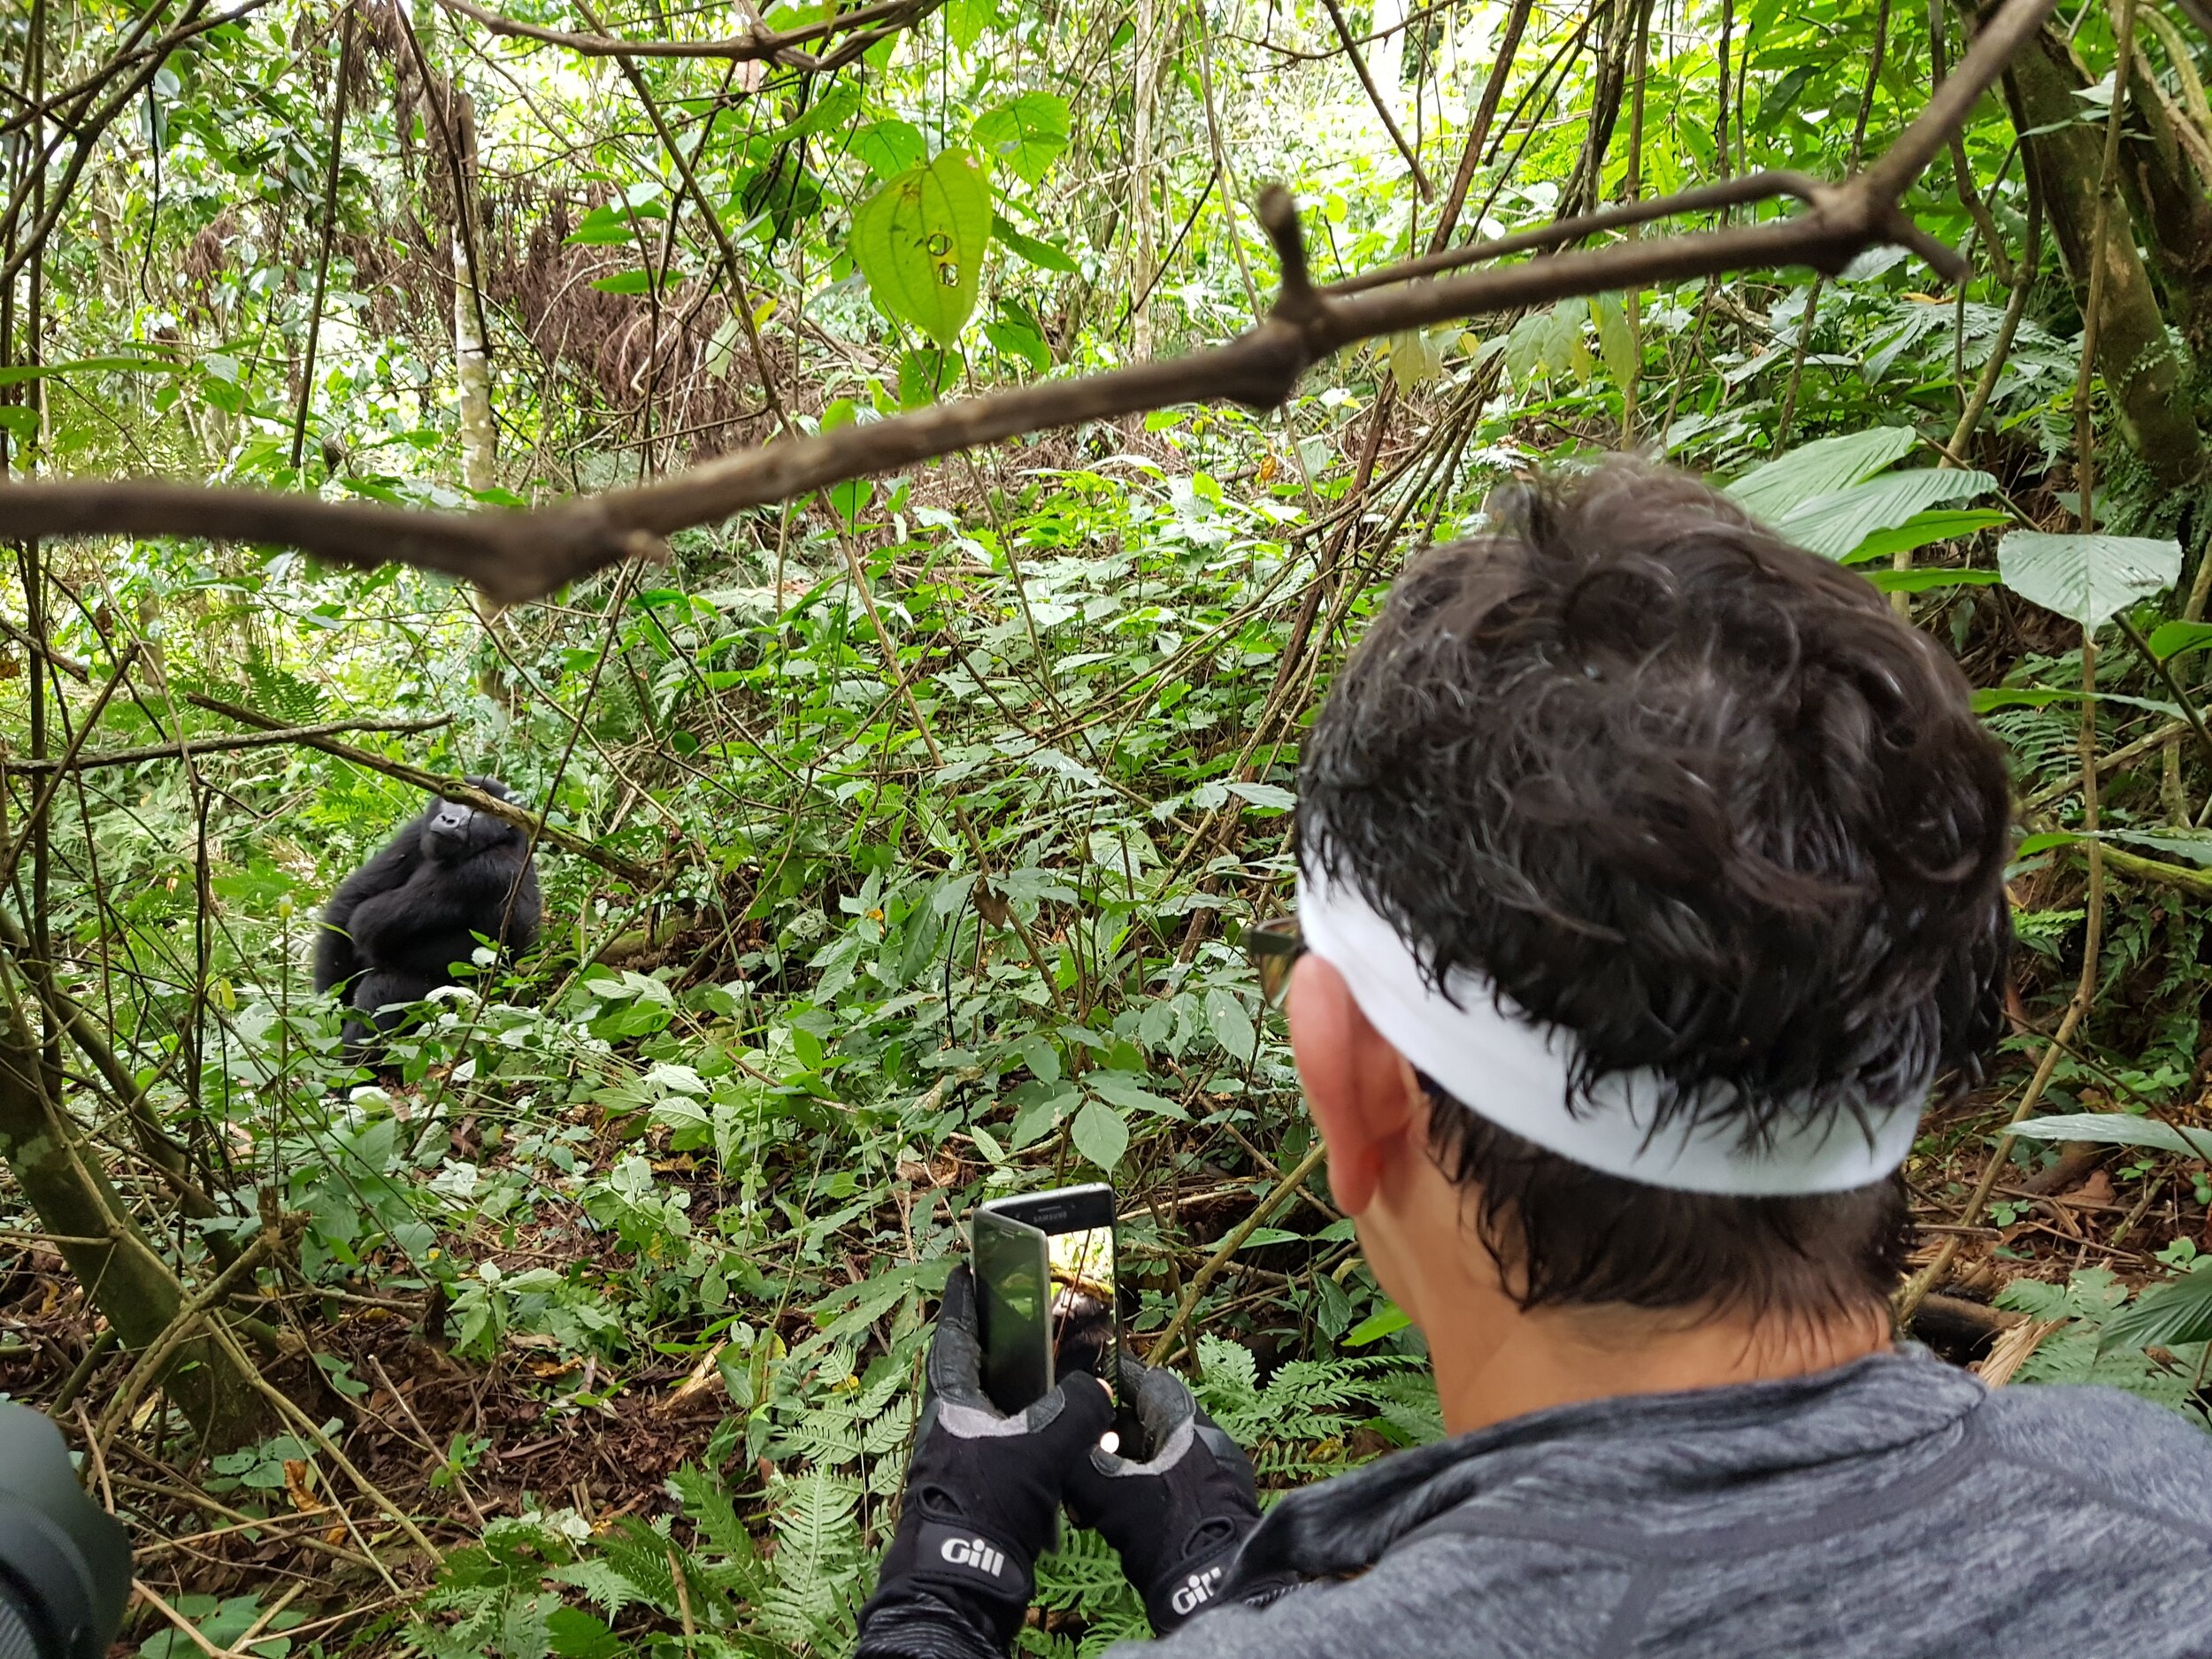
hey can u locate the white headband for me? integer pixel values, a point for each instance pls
(1493, 1058)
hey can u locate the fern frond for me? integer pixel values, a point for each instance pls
(606, 1588)
(1084, 1577)
(707, 1504)
(640, 1555)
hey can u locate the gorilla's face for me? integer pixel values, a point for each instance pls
(453, 831)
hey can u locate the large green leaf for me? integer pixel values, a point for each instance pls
(2086, 577)
(1616, 342)
(919, 241)
(1043, 254)
(1987, 699)
(2164, 1316)
(1028, 134)
(1122, 1089)
(2118, 1129)
(1942, 524)
(1383, 1322)
(2169, 640)
(2193, 845)
(889, 147)
(1928, 581)
(1839, 523)
(1820, 468)
(1100, 1134)
(1548, 342)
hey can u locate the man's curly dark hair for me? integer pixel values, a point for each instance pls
(1701, 797)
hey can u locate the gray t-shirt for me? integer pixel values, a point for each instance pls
(1892, 1508)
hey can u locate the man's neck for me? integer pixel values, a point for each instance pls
(1489, 1371)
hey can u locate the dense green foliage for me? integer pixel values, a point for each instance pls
(956, 786)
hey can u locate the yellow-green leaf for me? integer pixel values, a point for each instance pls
(1028, 134)
(1616, 342)
(919, 241)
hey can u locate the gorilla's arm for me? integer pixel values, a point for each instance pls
(338, 955)
(469, 897)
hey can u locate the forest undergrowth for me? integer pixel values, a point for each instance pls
(898, 838)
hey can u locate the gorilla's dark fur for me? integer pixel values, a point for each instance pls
(396, 926)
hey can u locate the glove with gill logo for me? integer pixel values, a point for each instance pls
(982, 1497)
(1178, 1518)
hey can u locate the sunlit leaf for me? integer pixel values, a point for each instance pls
(1042, 254)
(1416, 355)
(1026, 135)
(1019, 341)
(2195, 848)
(888, 148)
(1836, 525)
(2118, 1129)
(1272, 796)
(919, 241)
(1616, 342)
(1924, 581)
(1232, 1027)
(603, 227)
(966, 19)
(1127, 1092)
(1385, 1321)
(926, 374)
(1819, 468)
(2086, 577)
(2169, 640)
(1924, 529)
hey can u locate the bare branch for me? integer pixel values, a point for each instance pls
(1382, 104)
(515, 556)
(759, 43)
(452, 788)
(275, 737)
(1753, 187)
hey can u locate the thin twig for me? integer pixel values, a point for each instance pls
(330, 231)
(1165, 1341)
(758, 43)
(274, 737)
(1375, 97)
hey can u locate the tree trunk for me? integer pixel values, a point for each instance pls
(472, 368)
(2142, 371)
(2165, 193)
(1145, 95)
(472, 352)
(131, 1285)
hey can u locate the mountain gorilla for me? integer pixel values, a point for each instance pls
(396, 926)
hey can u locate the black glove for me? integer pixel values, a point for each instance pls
(982, 1492)
(1178, 1518)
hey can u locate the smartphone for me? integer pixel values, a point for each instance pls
(1044, 1274)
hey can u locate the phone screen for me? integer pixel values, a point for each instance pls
(1044, 1268)
(1013, 1276)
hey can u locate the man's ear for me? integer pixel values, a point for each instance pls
(1360, 1089)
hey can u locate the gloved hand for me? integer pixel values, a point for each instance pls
(982, 1490)
(1178, 1516)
